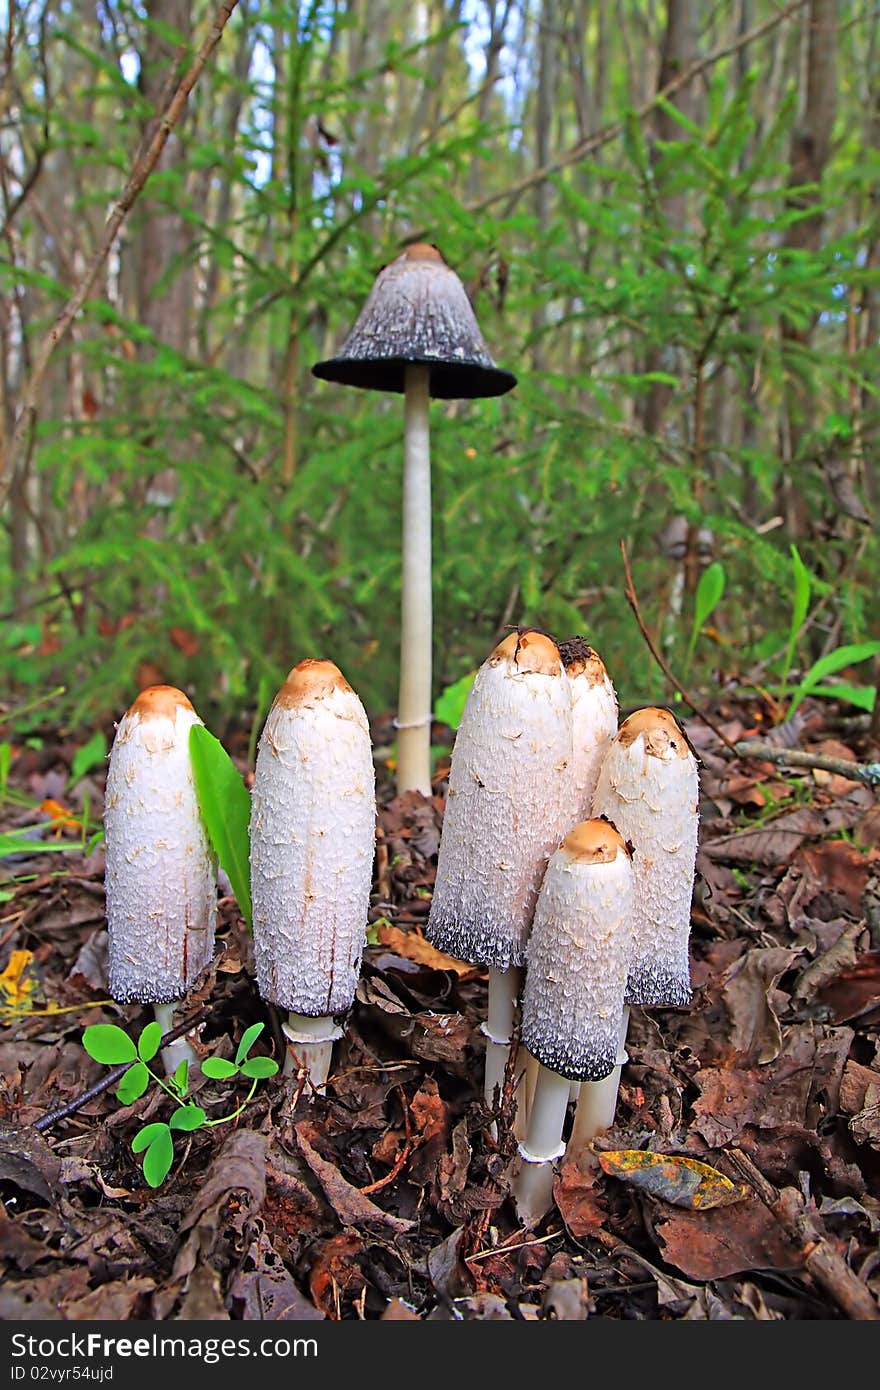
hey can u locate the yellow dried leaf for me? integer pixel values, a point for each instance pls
(683, 1182)
(20, 986)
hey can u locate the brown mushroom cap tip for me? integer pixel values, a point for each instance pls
(310, 680)
(594, 842)
(660, 731)
(422, 251)
(530, 651)
(591, 667)
(160, 702)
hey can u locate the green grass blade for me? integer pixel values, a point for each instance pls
(799, 607)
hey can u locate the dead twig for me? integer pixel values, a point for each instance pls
(632, 599)
(114, 1075)
(828, 1268)
(868, 773)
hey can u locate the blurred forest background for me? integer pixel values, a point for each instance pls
(667, 217)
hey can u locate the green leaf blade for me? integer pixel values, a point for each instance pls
(259, 1068)
(108, 1044)
(248, 1038)
(148, 1042)
(218, 1069)
(159, 1158)
(189, 1118)
(226, 809)
(133, 1084)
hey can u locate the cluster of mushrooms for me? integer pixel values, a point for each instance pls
(567, 855)
(565, 867)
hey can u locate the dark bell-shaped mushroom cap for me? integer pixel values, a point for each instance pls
(418, 312)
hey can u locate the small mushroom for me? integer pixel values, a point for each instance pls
(161, 878)
(576, 972)
(508, 806)
(313, 831)
(594, 717)
(649, 788)
(417, 334)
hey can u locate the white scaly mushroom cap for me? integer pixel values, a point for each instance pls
(578, 954)
(594, 719)
(509, 802)
(313, 837)
(649, 788)
(160, 875)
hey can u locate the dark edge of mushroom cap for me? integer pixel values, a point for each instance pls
(418, 313)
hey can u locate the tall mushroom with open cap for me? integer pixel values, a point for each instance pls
(649, 788)
(161, 876)
(508, 806)
(313, 834)
(576, 972)
(417, 334)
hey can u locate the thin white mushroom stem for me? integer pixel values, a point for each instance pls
(597, 1102)
(414, 698)
(504, 991)
(533, 1184)
(311, 1047)
(178, 1051)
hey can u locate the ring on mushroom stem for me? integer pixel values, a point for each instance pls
(576, 971)
(649, 787)
(161, 875)
(508, 806)
(417, 334)
(313, 834)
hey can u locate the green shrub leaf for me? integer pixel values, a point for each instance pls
(226, 809)
(849, 655)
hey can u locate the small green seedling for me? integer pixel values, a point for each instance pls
(112, 1046)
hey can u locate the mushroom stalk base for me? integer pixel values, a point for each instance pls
(598, 1101)
(312, 1046)
(178, 1051)
(504, 991)
(414, 697)
(533, 1184)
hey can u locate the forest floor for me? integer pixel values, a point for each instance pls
(388, 1197)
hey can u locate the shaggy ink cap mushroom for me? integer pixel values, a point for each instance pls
(594, 717)
(313, 826)
(649, 788)
(508, 805)
(418, 313)
(417, 334)
(578, 954)
(160, 871)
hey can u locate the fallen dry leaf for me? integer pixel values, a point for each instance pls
(855, 991)
(683, 1182)
(334, 1273)
(350, 1205)
(413, 946)
(579, 1202)
(716, 1244)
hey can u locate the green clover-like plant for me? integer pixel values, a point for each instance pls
(112, 1046)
